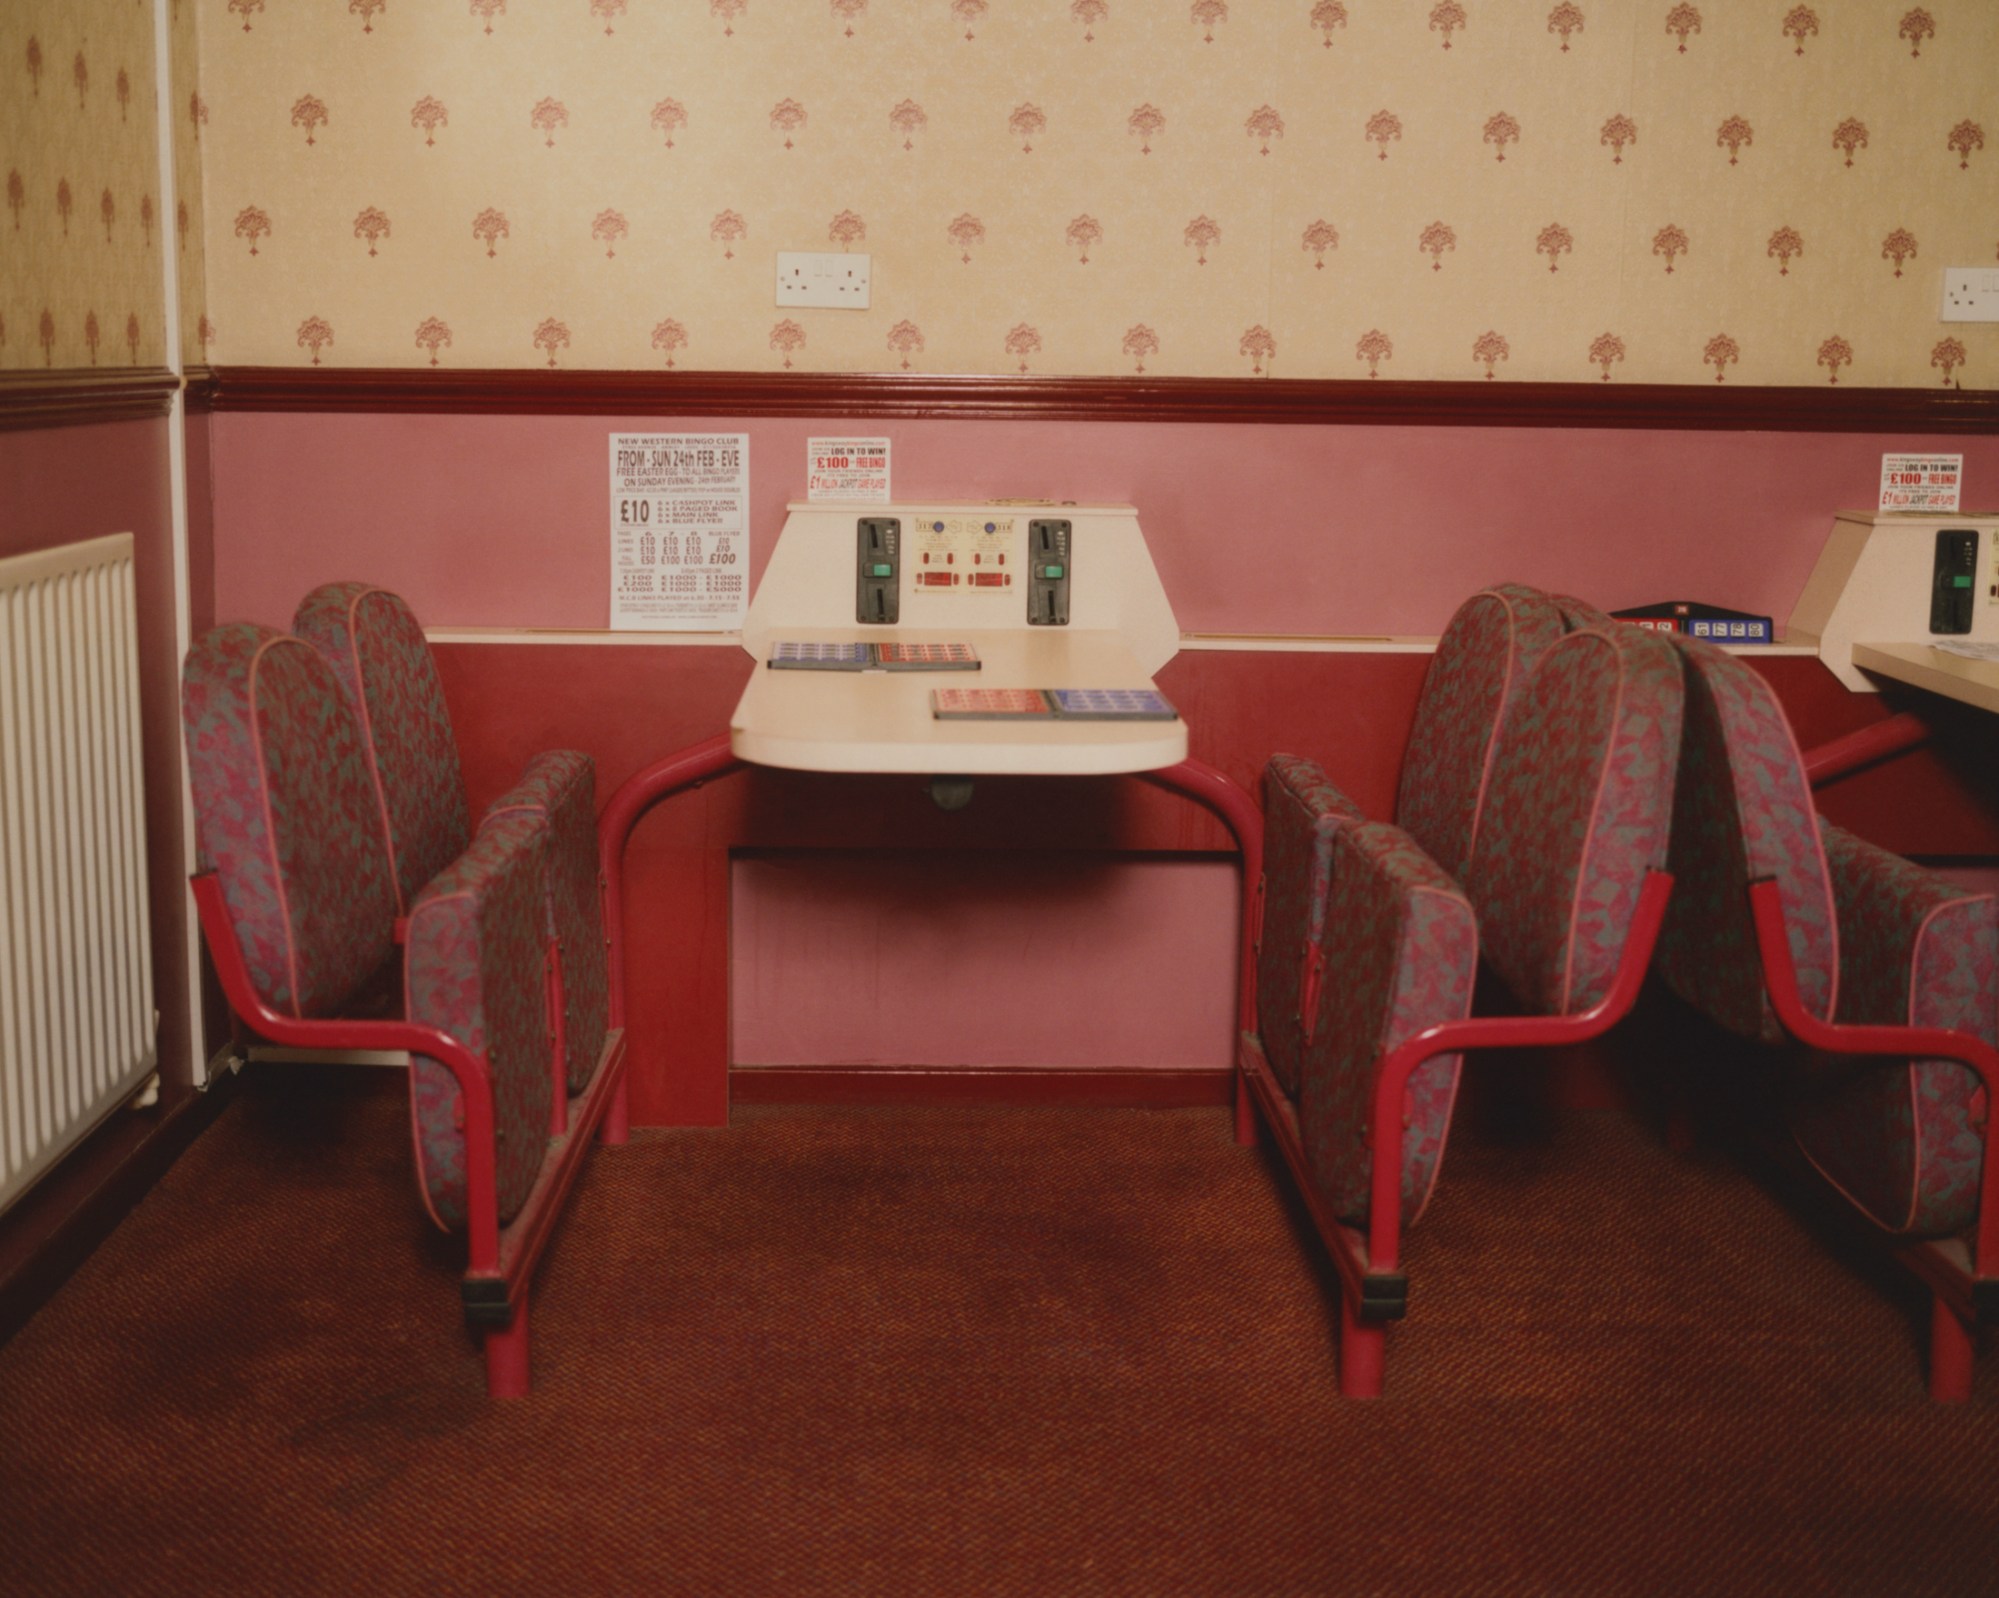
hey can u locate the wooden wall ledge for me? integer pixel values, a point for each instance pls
(93, 394)
(59, 398)
(1360, 402)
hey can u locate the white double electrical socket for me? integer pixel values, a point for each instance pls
(814, 278)
(1970, 294)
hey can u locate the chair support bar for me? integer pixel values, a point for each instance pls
(1855, 751)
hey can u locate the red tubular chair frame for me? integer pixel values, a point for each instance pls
(638, 793)
(1373, 1285)
(1963, 1285)
(1869, 745)
(698, 763)
(500, 1261)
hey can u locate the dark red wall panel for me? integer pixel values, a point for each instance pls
(629, 704)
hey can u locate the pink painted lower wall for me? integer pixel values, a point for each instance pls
(871, 958)
(504, 520)
(68, 483)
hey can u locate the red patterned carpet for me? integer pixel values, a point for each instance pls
(960, 1351)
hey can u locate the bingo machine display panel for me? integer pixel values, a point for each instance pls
(969, 553)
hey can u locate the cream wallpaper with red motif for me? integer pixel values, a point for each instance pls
(81, 239)
(1743, 191)
(189, 113)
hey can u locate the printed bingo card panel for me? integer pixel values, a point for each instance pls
(803, 655)
(680, 551)
(1067, 704)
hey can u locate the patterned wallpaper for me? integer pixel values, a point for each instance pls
(80, 242)
(183, 89)
(1749, 191)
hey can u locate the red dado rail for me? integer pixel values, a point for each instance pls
(1274, 401)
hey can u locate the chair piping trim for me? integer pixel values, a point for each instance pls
(368, 742)
(1457, 1076)
(1909, 1070)
(1492, 733)
(1595, 809)
(416, 1128)
(1825, 871)
(416, 1149)
(270, 821)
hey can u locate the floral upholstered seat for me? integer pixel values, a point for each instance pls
(1577, 811)
(329, 802)
(377, 648)
(291, 821)
(1874, 940)
(1564, 808)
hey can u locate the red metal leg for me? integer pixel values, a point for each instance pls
(1197, 780)
(1363, 1352)
(507, 1356)
(1951, 1342)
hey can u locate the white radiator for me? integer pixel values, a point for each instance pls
(76, 987)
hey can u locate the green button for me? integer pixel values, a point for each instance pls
(879, 570)
(1960, 582)
(1051, 571)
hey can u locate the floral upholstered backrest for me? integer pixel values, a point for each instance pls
(1743, 811)
(1481, 661)
(1578, 810)
(559, 789)
(287, 817)
(378, 652)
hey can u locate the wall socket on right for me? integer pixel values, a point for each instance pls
(1970, 294)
